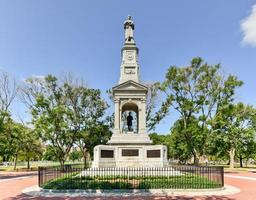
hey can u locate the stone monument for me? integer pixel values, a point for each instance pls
(130, 145)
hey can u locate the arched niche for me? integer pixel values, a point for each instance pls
(126, 108)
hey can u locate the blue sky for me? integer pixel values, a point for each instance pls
(85, 37)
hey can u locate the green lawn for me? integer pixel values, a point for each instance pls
(18, 168)
(186, 181)
(22, 166)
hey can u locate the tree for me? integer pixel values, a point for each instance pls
(52, 116)
(75, 155)
(11, 144)
(62, 110)
(196, 92)
(88, 109)
(152, 97)
(8, 92)
(94, 135)
(233, 123)
(31, 146)
(157, 139)
(181, 148)
(20, 141)
(49, 154)
(164, 140)
(217, 147)
(247, 146)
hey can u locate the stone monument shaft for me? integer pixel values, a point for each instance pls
(130, 145)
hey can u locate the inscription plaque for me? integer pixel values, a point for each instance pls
(130, 152)
(153, 153)
(107, 154)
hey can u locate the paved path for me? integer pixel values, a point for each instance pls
(246, 182)
(8, 175)
(11, 188)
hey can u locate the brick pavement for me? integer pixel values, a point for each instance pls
(5, 175)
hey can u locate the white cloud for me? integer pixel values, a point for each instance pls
(248, 26)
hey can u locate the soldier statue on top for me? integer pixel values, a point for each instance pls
(129, 27)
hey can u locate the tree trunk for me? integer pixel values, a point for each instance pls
(228, 163)
(62, 161)
(246, 163)
(84, 152)
(241, 161)
(85, 159)
(196, 158)
(15, 161)
(232, 157)
(28, 162)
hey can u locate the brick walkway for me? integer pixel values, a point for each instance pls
(11, 190)
(6, 175)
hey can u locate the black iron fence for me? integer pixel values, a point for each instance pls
(173, 177)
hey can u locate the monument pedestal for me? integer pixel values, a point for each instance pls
(129, 156)
(130, 150)
(130, 138)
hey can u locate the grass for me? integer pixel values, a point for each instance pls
(186, 181)
(18, 168)
(22, 166)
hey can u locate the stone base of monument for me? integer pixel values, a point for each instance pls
(129, 138)
(130, 156)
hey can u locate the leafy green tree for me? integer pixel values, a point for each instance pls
(232, 123)
(88, 109)
(49, 154)
(196, 91)
(151, 106)
(246, 148)
(4, 136)
(181, 148)
(75, 155)
(166, 140)
(157, 139)
(253, 125)
(217, 147)
(51, 113)
(88, 139)
(8, 92)
(11, 144)
(20, 141)
(62, 110)
(31, 146)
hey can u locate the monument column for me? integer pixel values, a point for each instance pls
(117, 117)
(143, 116)
(129, 66)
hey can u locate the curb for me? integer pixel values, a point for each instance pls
(37, 191)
